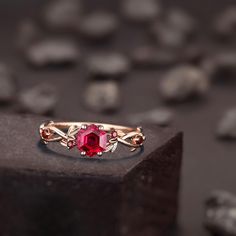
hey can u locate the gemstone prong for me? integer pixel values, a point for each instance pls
(101, 127)
(140, 128)
(83, 154)
(84, 126)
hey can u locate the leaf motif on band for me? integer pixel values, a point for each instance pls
(72, 131)
(112, 146)
(133, 139)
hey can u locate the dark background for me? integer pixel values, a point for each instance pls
(208, 163)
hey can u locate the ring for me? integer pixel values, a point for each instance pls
(91, 138)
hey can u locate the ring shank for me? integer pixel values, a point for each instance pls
(107, 127)
(63, 131)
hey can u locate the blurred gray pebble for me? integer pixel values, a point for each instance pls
(227, 126)
(226, 61)
(159, 116)
(181, 20)
(149, 56)
(40, 99)
(28, 33)
(174, 29)
(183, 82)
(7, 85)
(225, 24)
(98, 25)
(108, 65)
(62, 15)
(221, 198)
(168, 36)
(223, 61)
(141, 10)
(102, 96)
(52, 52)
(220, 213)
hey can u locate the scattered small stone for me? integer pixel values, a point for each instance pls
(180, 20)
(227, 126)
(160, 116)
(102, 96)
(222, 62)
(62, 15)
(28, 33)
(39, 100)
(220, 213)
(184, 82)
(174, 30)
(141, 10)
(7, 85)
(52, 52)
(98, 25)
(225, 24)
(108, 65)
(168, 36)
(226, 61)
(220, 198)
(149, 56)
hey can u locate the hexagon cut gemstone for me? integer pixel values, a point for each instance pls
(91, 140)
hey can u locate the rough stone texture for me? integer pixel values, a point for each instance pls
(107, 64)
(220, 64)
(227, 126)
(181, 20)
(174, 30)
(39, 100)
(167, 35)
(184, 82)
(52, 52)
(62, 15)
(50, 191)
(153, 57)
(102, 96)
(141, 11)
(98, 25)
(159, 116)
(225, 24)
(220, 213)
(225, 61)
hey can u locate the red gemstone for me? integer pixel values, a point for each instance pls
(91, 140)
(139, 140)
(70, 144)
(45, 134)
(114, 134)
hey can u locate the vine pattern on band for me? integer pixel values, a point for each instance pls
(51, 133)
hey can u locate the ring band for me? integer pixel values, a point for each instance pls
(91, 138)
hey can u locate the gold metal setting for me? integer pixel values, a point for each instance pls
(66, 134)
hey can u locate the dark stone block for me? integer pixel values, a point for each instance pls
(52, 192)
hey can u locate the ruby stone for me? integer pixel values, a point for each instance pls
(91, 140)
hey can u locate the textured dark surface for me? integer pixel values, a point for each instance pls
(53, 192)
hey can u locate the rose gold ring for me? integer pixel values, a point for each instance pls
(91, 138)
